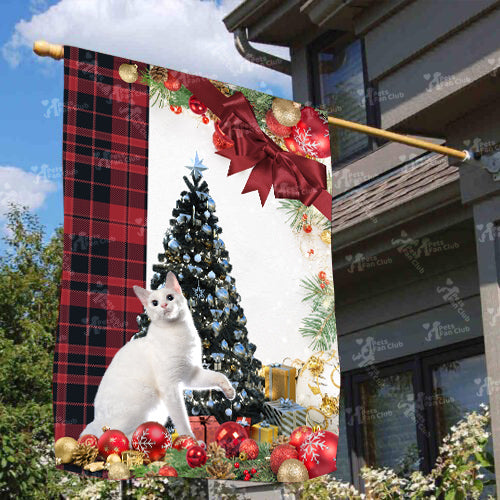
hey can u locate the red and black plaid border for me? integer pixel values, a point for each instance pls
(105, 203)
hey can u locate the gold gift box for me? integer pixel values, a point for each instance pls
(280, 381)
(266, 433)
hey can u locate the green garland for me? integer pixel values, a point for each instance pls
(295, 211)
(177, 459)
(320, 325)
(161, 96)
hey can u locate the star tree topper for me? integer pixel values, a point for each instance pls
(197, 167)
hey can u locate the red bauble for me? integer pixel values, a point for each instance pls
(220, 140)
(172, 84)
(89, 440)
(307, 228)
(112, 441)
(322, 275)
(311, 134)
(183, 442)
(196, 456)
(229, 436)
(280, 454)
(319, 453)
(205, 119)
(292, 146)
(298, 436)
(196, 106)
(176, 109)
(250, 447)
(167, 471)
(152, 439)
(275, 126)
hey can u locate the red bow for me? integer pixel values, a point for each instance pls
(291, 176)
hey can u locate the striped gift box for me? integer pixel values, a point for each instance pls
(286, 414)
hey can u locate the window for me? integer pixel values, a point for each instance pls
(396, 414)
(339, 84)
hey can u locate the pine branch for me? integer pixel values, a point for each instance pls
(320, 327)
(320, 297)
(161, 96)
(295, 211)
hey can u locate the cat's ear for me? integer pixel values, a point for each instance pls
(171, 282)
(142, 294)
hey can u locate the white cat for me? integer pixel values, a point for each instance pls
(147, 376)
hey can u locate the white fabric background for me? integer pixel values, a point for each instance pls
(267, 261)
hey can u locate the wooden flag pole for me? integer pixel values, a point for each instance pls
(45, 49)
(392, 136)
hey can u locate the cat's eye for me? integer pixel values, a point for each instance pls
(155, 302)
(170, 297)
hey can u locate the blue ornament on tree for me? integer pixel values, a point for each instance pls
(174, 245)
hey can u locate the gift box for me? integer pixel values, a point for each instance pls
(286, 414)
(280, 381)
(264, 432)
(244, 422)
(204, 428)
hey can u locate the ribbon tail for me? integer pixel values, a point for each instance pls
(261, 180)
(323, 203)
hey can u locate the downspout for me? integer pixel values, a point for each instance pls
(257, 56)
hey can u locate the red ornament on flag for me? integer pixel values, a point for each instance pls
(112, 441)
(168, 471)
(311, 134)
(196, 456)
(183, 442)
(89, 440)
(220, 140)
(319, 453)
(196, 106)
(250, 447)
(152, 439)
(229, 436)
(299, 435)
(172, 84)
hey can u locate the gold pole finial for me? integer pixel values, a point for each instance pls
(43, 48)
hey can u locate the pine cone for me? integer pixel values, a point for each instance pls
(220, 469)
(158, 74)
(84, 454)
(222, 87)
(215, 452)
(279, 440)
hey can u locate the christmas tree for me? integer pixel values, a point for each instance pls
(197, 255)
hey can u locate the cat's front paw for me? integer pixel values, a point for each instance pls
(228, 389)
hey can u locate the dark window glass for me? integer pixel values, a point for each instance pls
(459, 386)
(343, 472)
(342, 90)
(388, 422)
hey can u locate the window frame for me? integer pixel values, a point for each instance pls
(339, 39)
(421, 365)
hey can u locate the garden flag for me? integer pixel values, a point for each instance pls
(196, 323)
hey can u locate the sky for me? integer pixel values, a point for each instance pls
(186, 35)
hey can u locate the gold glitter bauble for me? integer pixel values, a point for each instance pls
(326, 237)
(64, 449)
(113, 458)
(118, 470)
(286, 112)
(128, 72)
(292, 471)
